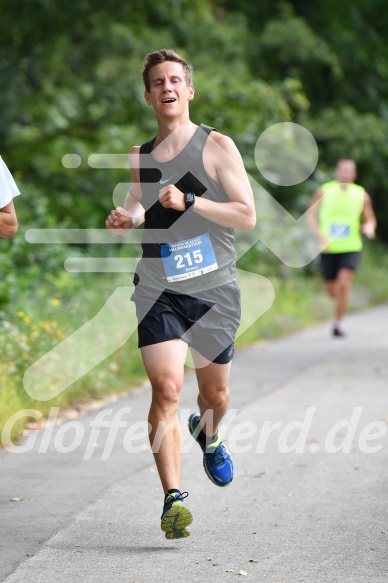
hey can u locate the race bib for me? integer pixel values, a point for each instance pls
(339, 231)
(189, 258)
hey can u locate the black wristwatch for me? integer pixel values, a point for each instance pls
(189, 198)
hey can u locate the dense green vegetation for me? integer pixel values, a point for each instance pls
(70, 83)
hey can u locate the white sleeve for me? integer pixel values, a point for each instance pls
(8, 188)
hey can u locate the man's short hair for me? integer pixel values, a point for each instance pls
(157, 57)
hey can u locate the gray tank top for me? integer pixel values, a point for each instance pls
(182, 251)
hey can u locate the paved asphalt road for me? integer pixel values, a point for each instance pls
(309, 502)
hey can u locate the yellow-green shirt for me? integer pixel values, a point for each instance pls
(340, 216)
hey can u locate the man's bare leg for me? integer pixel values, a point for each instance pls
(343, 282)
(213, 400)
(339, 289)
(213, 396)
(164, 364)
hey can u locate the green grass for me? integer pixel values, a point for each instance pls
(35, 323)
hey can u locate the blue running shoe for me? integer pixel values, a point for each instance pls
(176, 517)
(217, 460)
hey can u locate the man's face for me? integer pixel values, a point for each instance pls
(345, 171)
(169, 93)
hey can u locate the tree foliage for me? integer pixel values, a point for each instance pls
(338, 53)
(70, 78)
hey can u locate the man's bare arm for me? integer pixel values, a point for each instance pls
(368, 228)
(312, 212)
(224, 163)
(8, 221)
(121, 220)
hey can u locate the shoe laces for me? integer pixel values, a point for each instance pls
(176, 496)
(218, 456)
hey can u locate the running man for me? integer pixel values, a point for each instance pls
(8, 191)
(336, 220)
(190, 189)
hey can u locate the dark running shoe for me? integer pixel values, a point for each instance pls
(338, 332)
(217, 461)
(176, 517)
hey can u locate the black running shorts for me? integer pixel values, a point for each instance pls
(332, 263)
(208, 322)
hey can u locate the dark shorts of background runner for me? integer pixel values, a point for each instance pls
(331, 263)
(208, 322)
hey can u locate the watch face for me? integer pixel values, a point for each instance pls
(189, 197)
